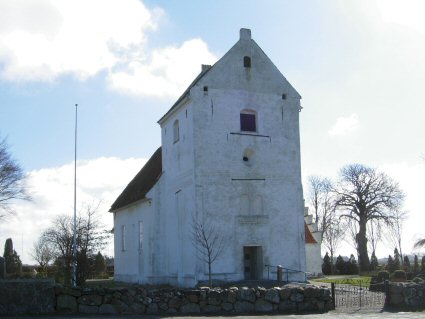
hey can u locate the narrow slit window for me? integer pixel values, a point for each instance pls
(176, 131)
(123, 244)
(248, 121)
(246, 61)
(140, 235)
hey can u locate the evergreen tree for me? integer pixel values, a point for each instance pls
(373, 262)
(100, 265)
(423, 264)
(390, 264)
(352, 267)
(397, 263)
(340, 265)
(416, 265)
(11, 258)
(406, 264)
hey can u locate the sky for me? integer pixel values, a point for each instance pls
(358, 64)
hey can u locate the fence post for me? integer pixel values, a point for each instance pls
(333, 294)
(279, 275)
(360, 295)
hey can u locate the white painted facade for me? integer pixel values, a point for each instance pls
(313, 250)
(256, 202)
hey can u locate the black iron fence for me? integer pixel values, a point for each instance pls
(360, 296)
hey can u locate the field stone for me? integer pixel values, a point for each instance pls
(214, 298)
(227, 306)
(285, 293)
(137, 308)
(88, 309)
(107, 309)
(66, 303)
(90, 300)
(190, 308)
(243, 306)
(272, 295)
(287, 306)
(152, 309)
(263, 306)
(247, 294)
(211, 309)
(297, 297)
(229, 296)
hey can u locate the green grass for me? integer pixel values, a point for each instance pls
(346, 280)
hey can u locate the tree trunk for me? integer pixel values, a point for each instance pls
(209, 273)
(361, 240)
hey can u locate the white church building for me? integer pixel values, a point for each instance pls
(229, 157)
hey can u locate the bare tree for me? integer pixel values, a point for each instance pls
(363, 195)
(42, 253)
(321, 199)
(91, 238)
(352, 229)
(395, 231)
(420, 243)
(209, 243)
(374, 234)
(12, 180)
(332, 237)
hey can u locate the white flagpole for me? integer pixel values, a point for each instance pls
(75, 202)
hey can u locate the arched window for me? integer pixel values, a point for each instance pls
(248, 120)
(176, 131)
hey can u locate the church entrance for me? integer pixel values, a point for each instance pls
(253, 262)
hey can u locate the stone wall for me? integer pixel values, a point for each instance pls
(293, 298)
(27, 296)
(407, 295)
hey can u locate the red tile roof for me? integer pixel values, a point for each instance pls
(309, 239)
(141, 183)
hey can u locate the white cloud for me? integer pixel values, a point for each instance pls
(344, 125)
(407, 13)
(167, 72)
(52, 191)
(41, 40)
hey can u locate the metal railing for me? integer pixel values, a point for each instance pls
(284, 272)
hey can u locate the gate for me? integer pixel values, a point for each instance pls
(357, 297)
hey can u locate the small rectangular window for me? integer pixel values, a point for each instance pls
(140, 235)
(123, 247)
(246, 61)
(248, 122)
(176, 131)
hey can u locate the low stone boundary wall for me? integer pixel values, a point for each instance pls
(292, 298)
(27, 296)
(407, 295)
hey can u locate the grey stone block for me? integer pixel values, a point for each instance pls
(263, 306)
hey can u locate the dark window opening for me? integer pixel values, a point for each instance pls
(283, 96)
(245, 159)
(205, 88)
(247, 61)
(248, 122)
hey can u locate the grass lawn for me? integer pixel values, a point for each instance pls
(346, 280)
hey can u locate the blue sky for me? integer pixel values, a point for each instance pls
(359, 66)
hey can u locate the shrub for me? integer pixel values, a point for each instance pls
(383, 275)
(399, 275)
